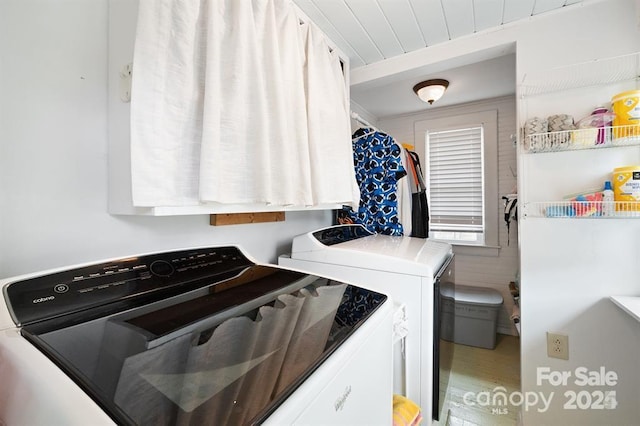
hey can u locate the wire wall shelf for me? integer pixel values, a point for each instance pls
(583, 209)
(579, 139)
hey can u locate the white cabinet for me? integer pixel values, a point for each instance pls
(629, 304)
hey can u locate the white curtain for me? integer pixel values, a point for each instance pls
(327, 106)
(235, 102)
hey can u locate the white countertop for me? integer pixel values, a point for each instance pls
(630, 304)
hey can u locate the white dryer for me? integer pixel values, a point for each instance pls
(412, 271)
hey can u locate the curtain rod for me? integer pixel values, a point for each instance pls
(365, 123)
(362, 121)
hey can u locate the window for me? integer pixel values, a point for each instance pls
(460, 158)
(454, 173)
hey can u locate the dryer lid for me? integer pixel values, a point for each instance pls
(404, 255)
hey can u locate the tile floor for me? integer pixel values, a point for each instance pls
(476, 373)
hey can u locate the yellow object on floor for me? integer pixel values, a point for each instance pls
(405, 412)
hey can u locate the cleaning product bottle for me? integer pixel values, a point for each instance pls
(608, 206)
(601, 118)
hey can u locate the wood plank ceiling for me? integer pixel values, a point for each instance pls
(370, 31)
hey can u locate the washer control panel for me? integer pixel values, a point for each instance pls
(73, 290)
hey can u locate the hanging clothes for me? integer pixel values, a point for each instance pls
(419, 204)
(405, 190)
(378, 167)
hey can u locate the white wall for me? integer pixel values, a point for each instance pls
(53, 152)
(570, 268)
(485, 270)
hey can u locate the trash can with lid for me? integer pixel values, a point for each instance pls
(473, 312)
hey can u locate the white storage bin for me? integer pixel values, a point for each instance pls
(473, 312)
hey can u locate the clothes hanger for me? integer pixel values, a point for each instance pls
(363, 135)
(365, 123)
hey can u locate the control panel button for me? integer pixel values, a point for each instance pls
(61, 288)
(161, 268)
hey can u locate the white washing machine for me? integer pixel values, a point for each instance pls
(412, 271)
(198, 336)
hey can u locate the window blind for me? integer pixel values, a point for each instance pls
(456, 179)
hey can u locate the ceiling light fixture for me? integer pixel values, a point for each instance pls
(431, 90)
